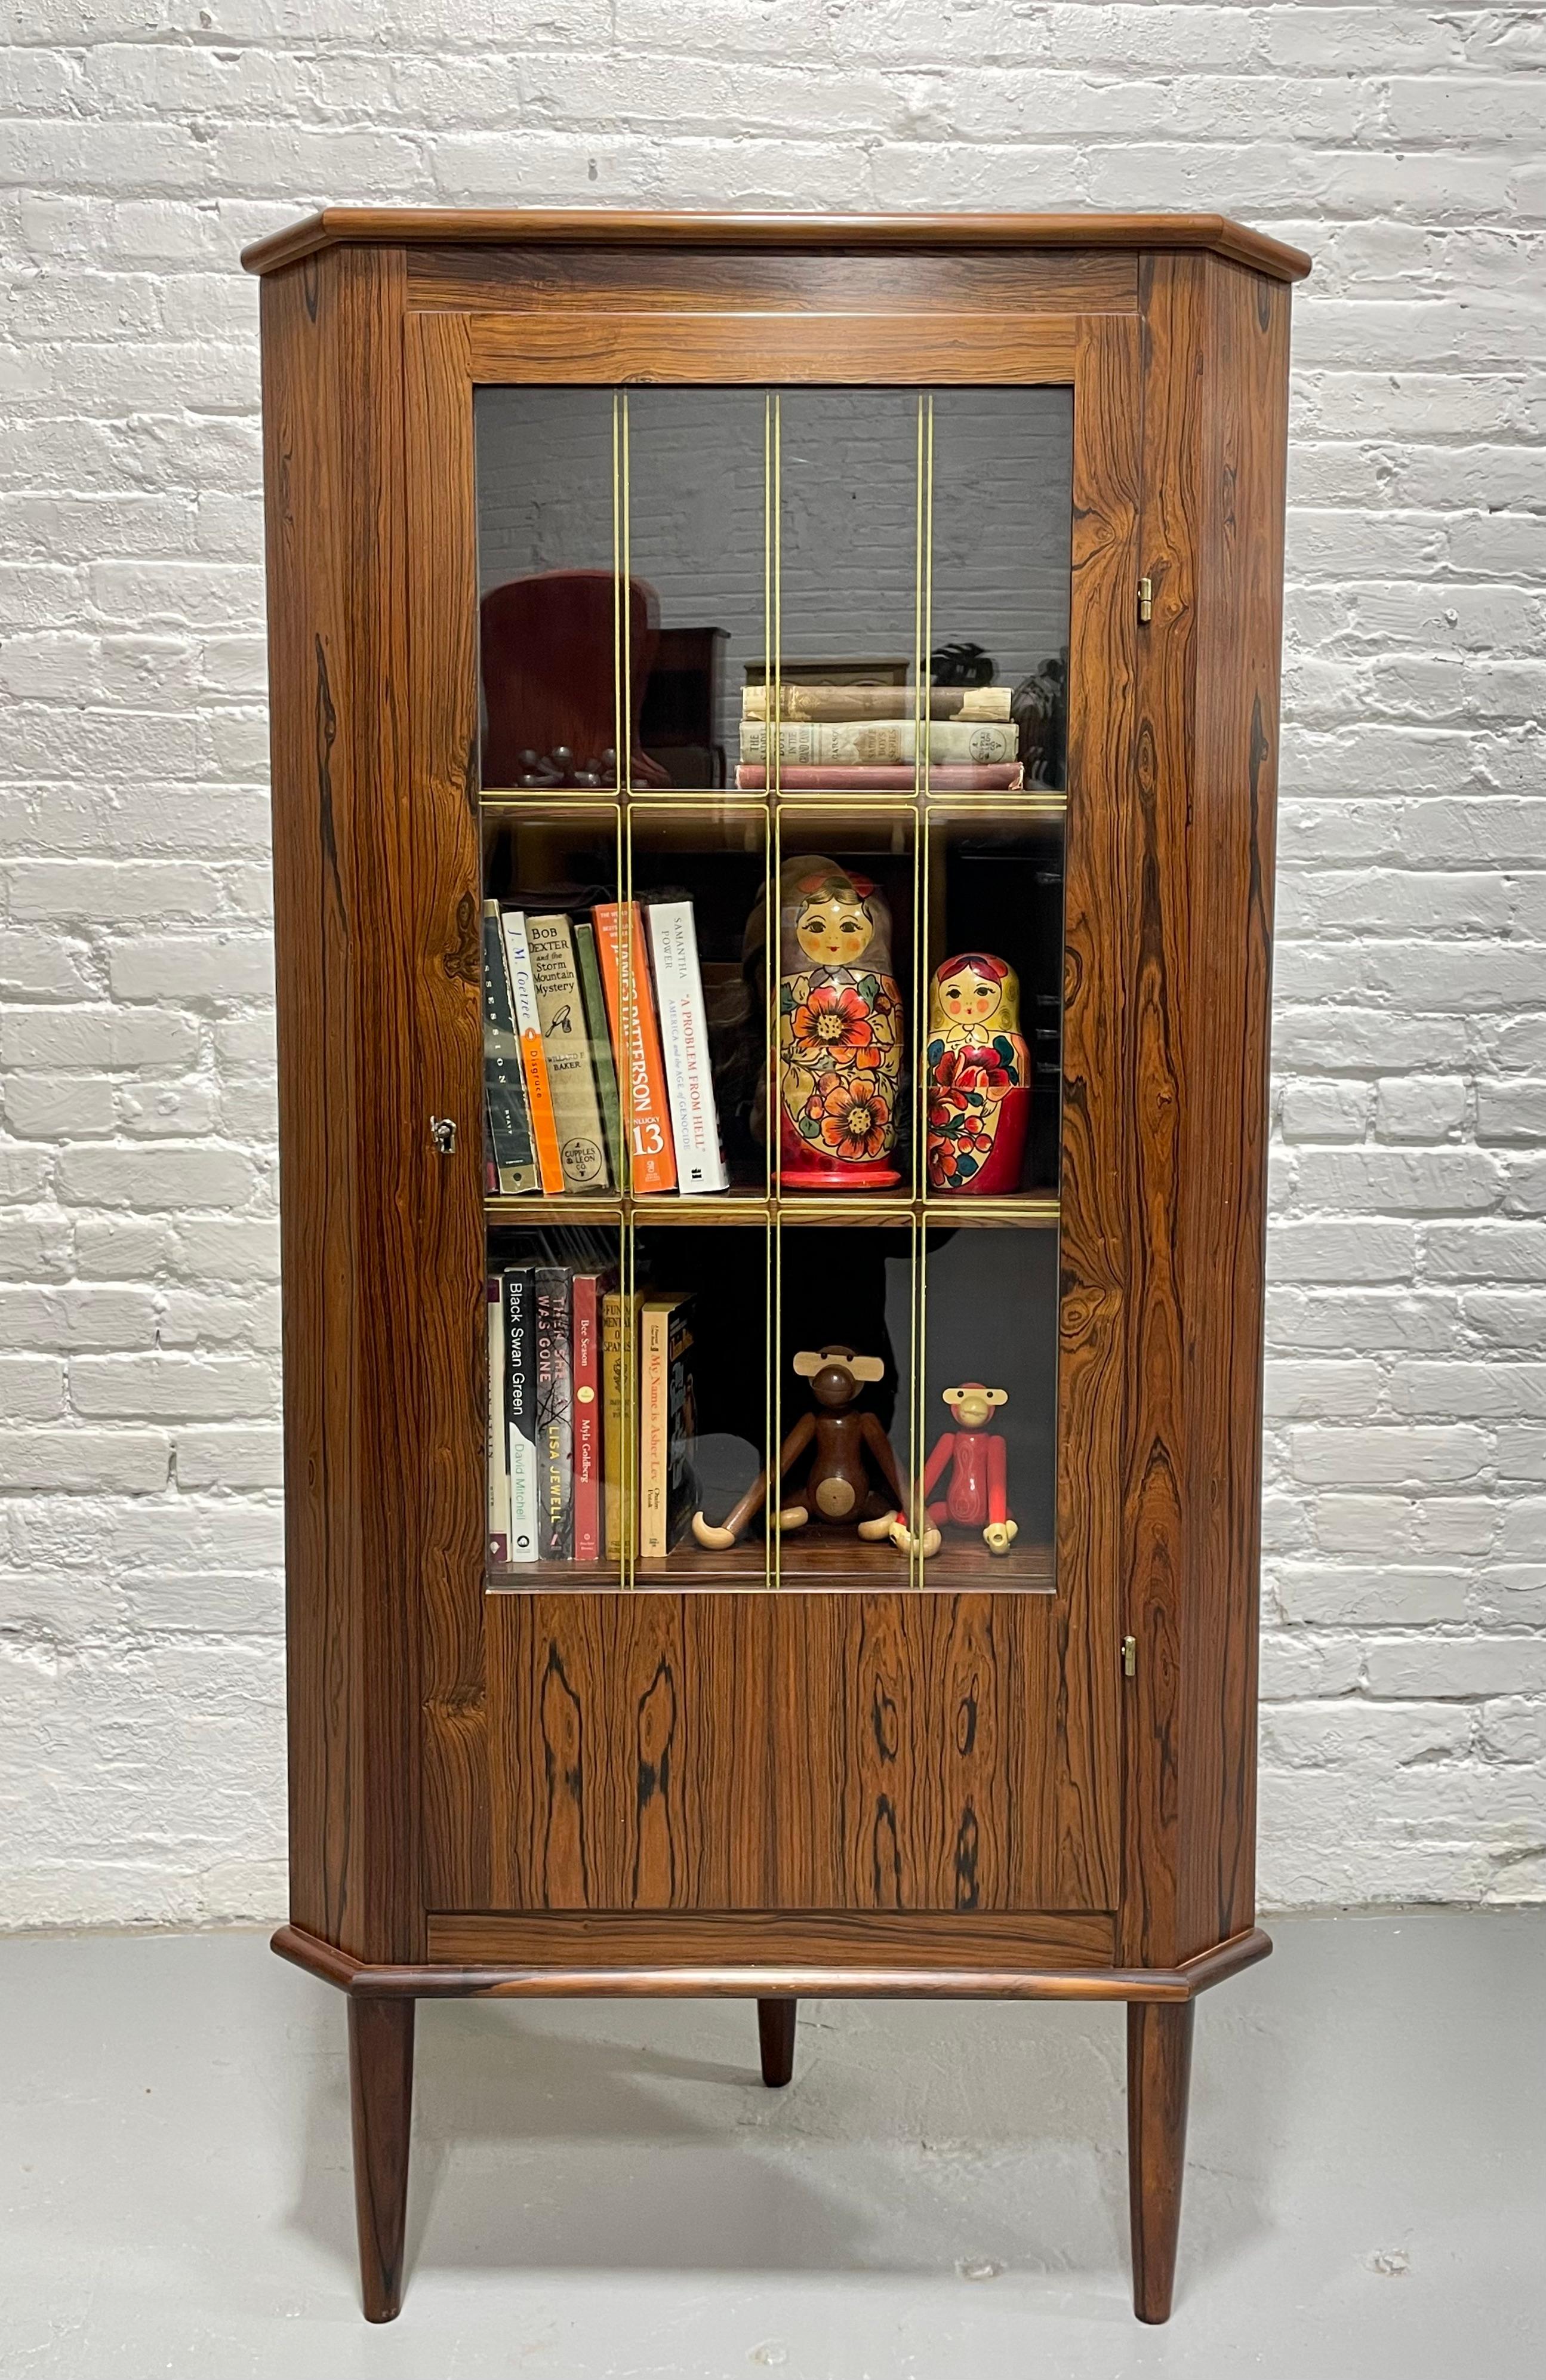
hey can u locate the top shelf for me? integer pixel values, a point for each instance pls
(585, 226)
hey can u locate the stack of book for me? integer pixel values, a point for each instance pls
(857, 737)
(594, 1026)
(558, 1469)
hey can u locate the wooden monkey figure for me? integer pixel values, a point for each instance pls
(837, 1486)
(975, 1456)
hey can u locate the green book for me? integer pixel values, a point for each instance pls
(594, 1005)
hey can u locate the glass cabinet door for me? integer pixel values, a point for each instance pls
(773, 750)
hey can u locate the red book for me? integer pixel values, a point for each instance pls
(586, 1327)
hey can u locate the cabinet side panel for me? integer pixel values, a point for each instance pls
(1234, 804)
(443, 632)
(1159, 1063)
(332, 402)
(1215, 349)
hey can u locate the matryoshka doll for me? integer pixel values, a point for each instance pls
(839, 1031)
(978, 1088)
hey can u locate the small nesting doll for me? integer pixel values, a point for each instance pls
(979, 1067)
(839, 1031)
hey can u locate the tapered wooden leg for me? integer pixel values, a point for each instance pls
(1159, 2076)
(775, 2033)
(381, 2091)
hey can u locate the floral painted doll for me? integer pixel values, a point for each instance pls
(979, 1084)
(839, 1031)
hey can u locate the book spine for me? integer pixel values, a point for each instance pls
(529, 1025)
(576, 1111)
(654, 1425)
(630, 1007)
(612, 1468)
(799, 701)
(887, 743)
(585, 1326)
(681, 1424)
(594, 1000)
(499, 1444)
(520, 1409)
(684, 1046)
(555, 1415)
(751, 777)
(504, 1086)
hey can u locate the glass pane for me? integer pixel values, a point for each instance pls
(843, 1405)
(992, 1045)
(548, 616)
(697, 874)
(988, 1429)
(555, 1405)
(845, 999)
(1000, 531)
(697, 558)
(704, 1419)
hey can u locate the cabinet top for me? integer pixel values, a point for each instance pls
(508, 228)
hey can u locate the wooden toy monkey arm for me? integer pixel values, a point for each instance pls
(879, 1447)
(998, 1479)
(735, 1521)
(938, 1464)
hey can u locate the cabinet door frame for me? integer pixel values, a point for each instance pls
(447, 356)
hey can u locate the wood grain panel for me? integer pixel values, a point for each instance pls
(905, 234)
(751, 1938)
(344, 861)
(446, 948)
(1068, 1812)
(886, 351)
(1214, 366)
(1232, 834)
(784, 1751)
(1023, 280)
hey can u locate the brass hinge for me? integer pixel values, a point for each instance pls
(1129, 1656)
(1146, 600)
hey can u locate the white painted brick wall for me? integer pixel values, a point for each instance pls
(1405, 1657)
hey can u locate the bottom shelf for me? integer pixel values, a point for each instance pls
(808, 1565)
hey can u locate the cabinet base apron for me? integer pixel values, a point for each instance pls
(380, 2004)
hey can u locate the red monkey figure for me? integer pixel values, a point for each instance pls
(977, 1496)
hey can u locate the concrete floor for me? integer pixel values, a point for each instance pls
(606, 2188)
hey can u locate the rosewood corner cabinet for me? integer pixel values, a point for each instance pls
(917, 579)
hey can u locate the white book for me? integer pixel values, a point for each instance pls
(523, 983)
(520, 1408)
(684, 1046)
(882, 742)
(499, 1443)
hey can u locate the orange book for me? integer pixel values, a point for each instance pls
(652, 1150)
(533, 1058)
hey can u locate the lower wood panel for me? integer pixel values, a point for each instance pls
(790, 1752)
(631, 1939)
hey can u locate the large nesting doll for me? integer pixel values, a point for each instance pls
(978, 1062)
(839, 1031)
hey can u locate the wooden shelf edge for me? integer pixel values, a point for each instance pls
(844, 1981)
(585, 226)
(746, 1209)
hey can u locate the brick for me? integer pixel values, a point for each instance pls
(59, 1107)
(1511, 1112)
(1342, 1596)
(94, 1039)
(1336, 1251)
(1455, 1668)
(85, 1462)
(1420, 1460)
(32, 1388)
(165, 1179)
(193, 967)
(170, 1386)
(1425, 1108)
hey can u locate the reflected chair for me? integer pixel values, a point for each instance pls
(550, 663)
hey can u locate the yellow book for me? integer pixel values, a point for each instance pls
(613, 1303)
(666, 1423)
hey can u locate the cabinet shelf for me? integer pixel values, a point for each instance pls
(752, 1211)
(830, 1566)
